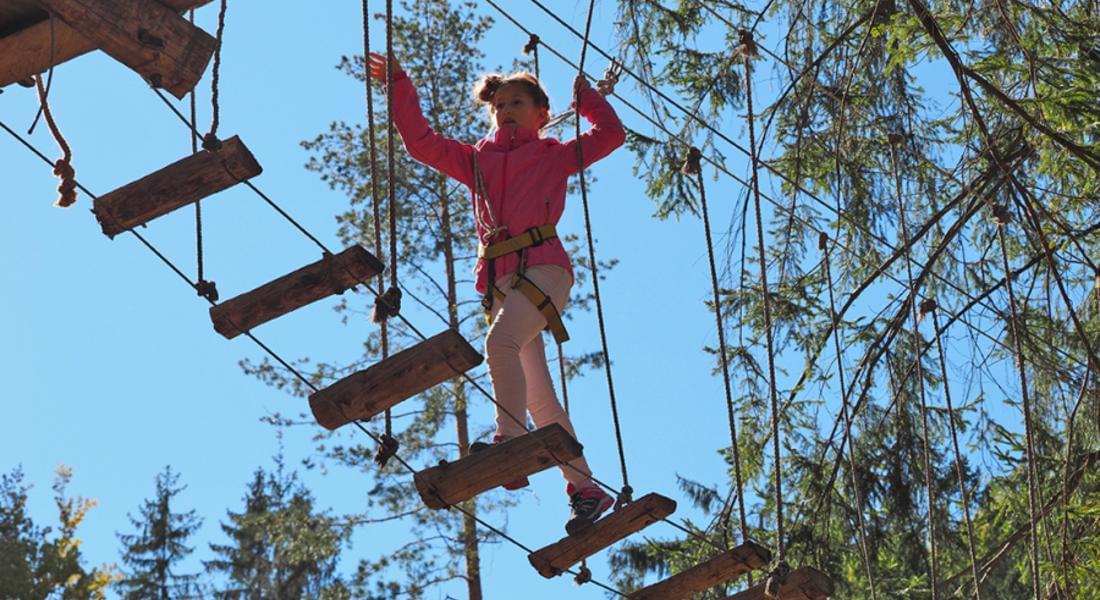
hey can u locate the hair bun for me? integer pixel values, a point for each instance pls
(488, 87)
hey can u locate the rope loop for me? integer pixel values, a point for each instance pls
(584, 575)
(211, 142)
(387, 305)
(207, 289)
(387, 449)
(606, 86)
(691, 163)
(532, 44)
(1001, 214)
(624, 498)
(748, 47)
(776, 579)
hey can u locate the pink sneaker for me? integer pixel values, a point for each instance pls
(511, 485)
(587, 505)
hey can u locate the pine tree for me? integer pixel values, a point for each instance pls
(158, 546)
(279, 547)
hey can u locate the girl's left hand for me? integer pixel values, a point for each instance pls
(580, 84)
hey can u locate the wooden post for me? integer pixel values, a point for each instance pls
(331, 275)
(145, 35)
(554, 559)
(806, 583)
(29, 51)
(378, 387)
(177, 185)
(451, 483)
(703, 576)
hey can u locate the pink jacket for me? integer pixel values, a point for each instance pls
(524, 175)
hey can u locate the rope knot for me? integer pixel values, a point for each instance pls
(1001, 215)
(624, 497)
(896, 138)
(927, 306)
(532, 44)
(387, 449)
(691, 163)
(822, 241)
(387, 305)
(584, 575)
(207, 289)
(606, 86)
(66, 190)
(211, 142)
(775, 581)
(747, 48)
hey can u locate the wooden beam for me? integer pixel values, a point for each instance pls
(179, 184)
(333, 274)
(29, 51)
(145, 35)
(806, 583)
(554, 559)
(703, 576)
(451, 483)
(371, 391)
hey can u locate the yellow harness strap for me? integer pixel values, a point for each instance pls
(531, 237)
(541, 301)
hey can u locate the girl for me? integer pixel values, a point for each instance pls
(517, 181)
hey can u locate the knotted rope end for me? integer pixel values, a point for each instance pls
(624, 498)
(584, 575)
(387, 449)
(532, 44)
(386, 305)
(66, 190)
(207, 289)
(691, 163)
(748, 48)
(1001, 215)
(775, 581)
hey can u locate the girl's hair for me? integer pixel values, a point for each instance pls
(488, 86)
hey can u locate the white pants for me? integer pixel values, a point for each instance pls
(517, 362)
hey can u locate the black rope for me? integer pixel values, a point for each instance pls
(389, 303)
(210, 140)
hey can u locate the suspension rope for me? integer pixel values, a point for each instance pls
(1002, 217)
(210, 140)
(389, 303)
(748, 52)
(390, 443)
(49, 75)
(918, 341)
(62, 167)
(532, 48)
(693, 168)
(929, 307)
(625, 496)
(564, 386)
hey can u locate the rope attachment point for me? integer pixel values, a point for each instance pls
(606, 86)
(1001, 215)
(927, 306)
(624, 498)
(748, 47)
(207, 289)
(386, 305)
(776, 579)
(387, 449)
(532, 44)
(584, 575)
(691, 163)
(822, 241)
(211, 142)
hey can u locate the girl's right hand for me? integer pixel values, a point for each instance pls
(377, 68)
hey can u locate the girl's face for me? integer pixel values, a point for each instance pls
(514, 107)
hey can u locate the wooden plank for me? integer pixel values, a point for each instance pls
(554, 559)
(19, 14)
(29, 50)
(806, 583)
(179, 184)
(703, 576)
(333, 274)
(451, 483)
(146, 36)
(369, 392)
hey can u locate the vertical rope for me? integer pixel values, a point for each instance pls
(210, 140)
(823, 246)
(692, 167)
(388, 304)
(193, 109)
(627, 491)
(564, 387)
(748, 51)
(1002, 217)
(930, 307)
(62, 167)
(532, 48)
(918, 341)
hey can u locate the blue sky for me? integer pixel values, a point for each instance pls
(113, 368)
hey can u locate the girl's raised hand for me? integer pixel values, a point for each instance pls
(377, 64)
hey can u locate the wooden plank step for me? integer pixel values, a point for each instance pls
(179, 184)
(703, 576)
(333, 274)
(150, 38)
(451, 483)
(371, 391)
(29, 50)
(806, 583)
(554, 559)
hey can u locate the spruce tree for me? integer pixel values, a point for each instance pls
(153, 553)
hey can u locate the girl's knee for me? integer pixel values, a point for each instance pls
(498, 343)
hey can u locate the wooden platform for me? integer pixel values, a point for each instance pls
(331, 275)
(806, 583)
(703, 576)
(29, 41)
(451, 483)
(554, 559)
(185, 181)
(371, 391)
